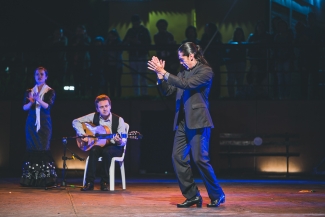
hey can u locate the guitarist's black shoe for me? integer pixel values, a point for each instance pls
(196, 200)
(88, 187)
(216, 203)
(103, 186)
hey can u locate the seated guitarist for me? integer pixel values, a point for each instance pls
(113, 147)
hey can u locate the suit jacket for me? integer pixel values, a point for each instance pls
(193, 87)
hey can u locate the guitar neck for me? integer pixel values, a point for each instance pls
(110, 136)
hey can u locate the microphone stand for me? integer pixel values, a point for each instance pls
(65, 158)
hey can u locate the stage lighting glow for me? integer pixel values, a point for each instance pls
(277, 166)
(314, 2)
(71, 88)
(258, 141)
(302, 6)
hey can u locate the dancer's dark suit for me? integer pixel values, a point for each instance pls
(192, 123)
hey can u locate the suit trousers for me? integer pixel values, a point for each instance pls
(107, 153)
(195, 141)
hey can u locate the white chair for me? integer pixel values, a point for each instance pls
(112, 167)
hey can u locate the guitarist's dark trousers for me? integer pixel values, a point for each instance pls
(107, 153)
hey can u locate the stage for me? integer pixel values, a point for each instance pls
(157, 195)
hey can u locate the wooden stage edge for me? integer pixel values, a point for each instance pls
(158, 196)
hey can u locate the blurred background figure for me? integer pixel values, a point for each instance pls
(283, 56)
(12, 81)
(138, 38)
(273, 74)
(211, 45)
(97, 60)
(314, 38)
(163, 39)
(55, 58)
(80, 60)
(300, 42)
(191, 35)
(258, 58)
(113, 64)
(236, 64)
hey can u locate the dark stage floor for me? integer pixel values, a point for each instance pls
(158, 196)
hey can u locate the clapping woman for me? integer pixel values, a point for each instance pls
(38, 167)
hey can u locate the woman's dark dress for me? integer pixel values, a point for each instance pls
(38, 167)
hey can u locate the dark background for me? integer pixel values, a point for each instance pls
(26, 24)
(29, 23)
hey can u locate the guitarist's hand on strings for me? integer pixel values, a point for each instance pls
(117, 139)
(85, 139)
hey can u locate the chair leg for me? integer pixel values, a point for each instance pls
(122, 174)
(85, 172)
(111, 176)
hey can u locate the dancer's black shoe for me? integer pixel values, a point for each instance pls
(216, 203)
(196, 200)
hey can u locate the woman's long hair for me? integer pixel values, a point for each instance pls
(190, 48)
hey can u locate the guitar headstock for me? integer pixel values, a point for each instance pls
(134, 135)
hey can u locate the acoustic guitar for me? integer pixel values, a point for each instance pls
(100, 136)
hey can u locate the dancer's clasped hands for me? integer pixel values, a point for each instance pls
(157, 66)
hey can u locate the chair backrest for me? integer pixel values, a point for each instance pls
(126, 131)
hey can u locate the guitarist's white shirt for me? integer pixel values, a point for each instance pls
(77, 125)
